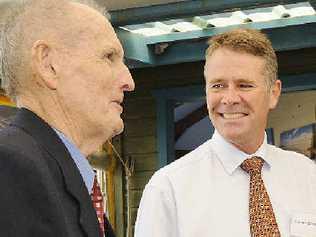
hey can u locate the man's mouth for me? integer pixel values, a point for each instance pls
(118, 103)
(233, 115)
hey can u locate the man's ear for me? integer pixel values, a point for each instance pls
(43, 63)
(275, 93)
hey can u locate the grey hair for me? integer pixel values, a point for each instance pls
(27, 20)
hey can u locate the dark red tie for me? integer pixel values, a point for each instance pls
(97, 200)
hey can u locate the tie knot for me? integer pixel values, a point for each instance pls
(253, 165)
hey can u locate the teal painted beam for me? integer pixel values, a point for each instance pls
(165, 129)
(285, 34)
(206, 33)
(184, 9)
(300, 82)
(285, 38)
(162, 128)
(135, 46)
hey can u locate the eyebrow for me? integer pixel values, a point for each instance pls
(245, 80)
(214, 80)
(235, 80)
(119, 51)
(107, 48)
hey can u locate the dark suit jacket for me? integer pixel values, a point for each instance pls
(42, 191)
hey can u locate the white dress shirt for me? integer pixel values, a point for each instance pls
(206, 193)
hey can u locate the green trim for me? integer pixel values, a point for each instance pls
(135, 46)
(165, 129)
(285, 34)
(301, 82)
(185, 9)
(206, 33)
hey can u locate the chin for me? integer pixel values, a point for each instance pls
(232, 136)
(118, 128)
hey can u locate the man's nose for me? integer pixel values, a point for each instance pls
(231, 96)
(128, 81)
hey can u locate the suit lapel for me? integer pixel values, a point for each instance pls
(49, 141)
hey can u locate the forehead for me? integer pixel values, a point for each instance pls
(225, 62)
(93, 29)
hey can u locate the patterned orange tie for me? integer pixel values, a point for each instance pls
(97, 200)
(262, 219)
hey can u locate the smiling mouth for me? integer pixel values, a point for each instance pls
(233, 115)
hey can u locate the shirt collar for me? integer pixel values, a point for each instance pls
(230, 156)
(81, 162)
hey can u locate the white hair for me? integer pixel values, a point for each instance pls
(27, 20)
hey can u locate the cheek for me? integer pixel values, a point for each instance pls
(105, 79)
(212, 100)
(99, 84)
(260, 109)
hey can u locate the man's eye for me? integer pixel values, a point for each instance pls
(245, 85)
(217, 86)
(109, 56)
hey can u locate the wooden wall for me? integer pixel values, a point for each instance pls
(293, 111)
(140, 147)
(139, 138)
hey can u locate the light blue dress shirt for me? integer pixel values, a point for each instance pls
(81, 162)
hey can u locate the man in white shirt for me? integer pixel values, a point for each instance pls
(206, 192)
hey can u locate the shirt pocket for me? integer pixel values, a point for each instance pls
(303, 225)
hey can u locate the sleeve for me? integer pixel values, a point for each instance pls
(26, 206)
(156, 215)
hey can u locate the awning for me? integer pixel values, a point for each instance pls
(162, 42)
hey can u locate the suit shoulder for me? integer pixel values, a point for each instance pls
(13, 135)
(18, 145)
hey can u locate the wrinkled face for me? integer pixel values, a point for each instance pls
(93, 77)
(238, 97)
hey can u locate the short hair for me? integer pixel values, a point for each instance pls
(248, 41)
(27, 21)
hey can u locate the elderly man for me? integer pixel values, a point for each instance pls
(63, 66)
(235, 184)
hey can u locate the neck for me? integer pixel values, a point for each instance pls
(249, 147)
(52, 112)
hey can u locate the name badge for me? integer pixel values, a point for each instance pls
(303, 225)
